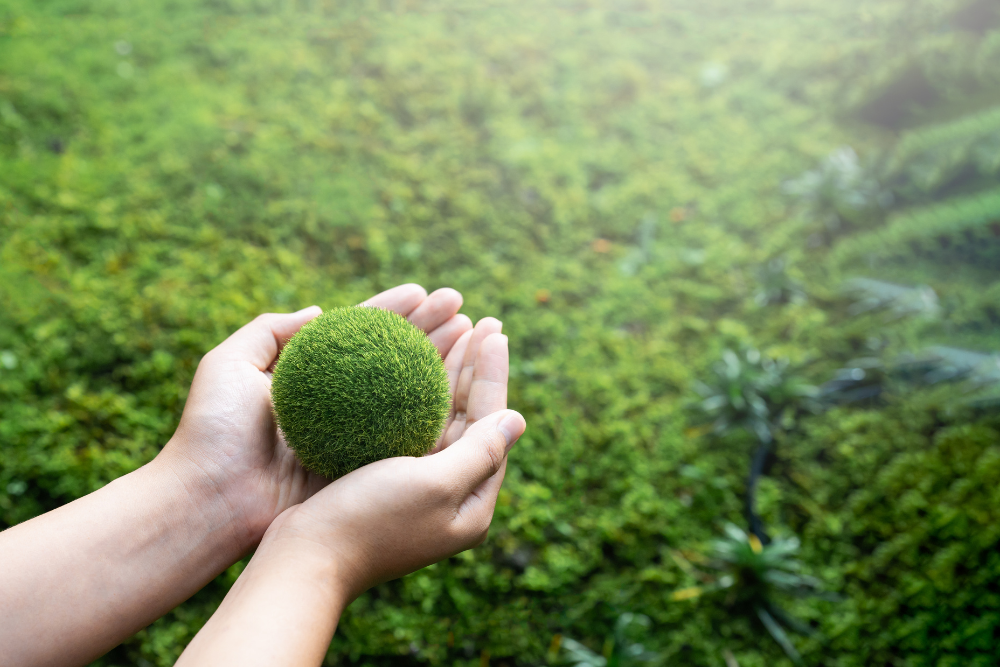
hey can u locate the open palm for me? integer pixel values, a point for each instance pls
(228, 434)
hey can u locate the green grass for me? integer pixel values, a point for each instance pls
(605, 178)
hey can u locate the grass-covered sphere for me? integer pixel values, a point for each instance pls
(356, 385)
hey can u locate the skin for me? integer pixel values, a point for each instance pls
(88, 575)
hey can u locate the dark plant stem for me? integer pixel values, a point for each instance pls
(756, 470)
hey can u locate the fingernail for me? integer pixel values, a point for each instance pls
(299, 312)
(512, 425)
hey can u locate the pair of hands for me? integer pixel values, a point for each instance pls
(91, 573)
(381, 521)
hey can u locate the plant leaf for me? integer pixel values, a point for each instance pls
(778, 634)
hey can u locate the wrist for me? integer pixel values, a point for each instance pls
(283, 609)
(206, 496)
(291, 545)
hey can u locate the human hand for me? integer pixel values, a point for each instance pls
(395, 516)
(228, 447)
(379, 522)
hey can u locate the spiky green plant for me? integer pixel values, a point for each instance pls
(752, 575)
(356, 385)
(976, 374)
(897, 300)
(776, 286)
(754, 392)
(979, 373)
(967, 225)
(758, 394)
(621, 648)
(930, 159)
(864, 379)
(840, 192)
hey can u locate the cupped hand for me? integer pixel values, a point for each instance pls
(397, 515)
(228, 445)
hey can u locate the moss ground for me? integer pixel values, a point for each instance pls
(605, 177)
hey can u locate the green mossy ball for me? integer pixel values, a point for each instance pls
(356, 385)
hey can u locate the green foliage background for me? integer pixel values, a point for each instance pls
(603, 176)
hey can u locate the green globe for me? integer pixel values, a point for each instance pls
(356, 385)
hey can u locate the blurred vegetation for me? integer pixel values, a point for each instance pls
(620, 648)
(753, 573)
(633, 189)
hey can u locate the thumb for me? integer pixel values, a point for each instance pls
(260, 341)
(480, 452)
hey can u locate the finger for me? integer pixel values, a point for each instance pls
(480, 453)
(436, 309)
(260, 341)
(484, 328)
(402, 299)
(453, 366)
(488, 390)
(453, 362)
(445, 336)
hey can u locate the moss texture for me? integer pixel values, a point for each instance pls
(569, 168)
(357, 385)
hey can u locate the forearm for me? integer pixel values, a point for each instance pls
(283, 610)
(77, 581)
